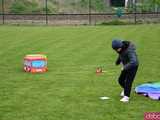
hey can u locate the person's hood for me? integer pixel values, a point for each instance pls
(116, 43)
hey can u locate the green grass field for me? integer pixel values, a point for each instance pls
(70, 90)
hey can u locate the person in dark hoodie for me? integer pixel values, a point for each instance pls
(128, 58)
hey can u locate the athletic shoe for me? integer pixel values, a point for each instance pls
(125, 99)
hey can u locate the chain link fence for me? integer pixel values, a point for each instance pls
(78, 12)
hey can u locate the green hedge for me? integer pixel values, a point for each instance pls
(116, 22)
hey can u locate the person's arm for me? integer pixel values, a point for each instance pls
(118, 61)
(132, 60)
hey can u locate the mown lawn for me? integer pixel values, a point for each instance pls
(70, 90)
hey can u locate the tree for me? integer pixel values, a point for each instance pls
(155, 4)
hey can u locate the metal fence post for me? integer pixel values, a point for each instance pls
(89, 12)
(135, 12)
(3, 10)
(46, 5)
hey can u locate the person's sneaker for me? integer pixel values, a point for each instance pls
(122, 94)
(125, 99)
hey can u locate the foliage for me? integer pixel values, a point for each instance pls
(24, 6)
(116, 22)
(84, 3)
(98, 5)
(72, 6)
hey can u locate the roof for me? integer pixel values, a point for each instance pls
(35, 57)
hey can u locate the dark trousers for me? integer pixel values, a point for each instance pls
(126, 79)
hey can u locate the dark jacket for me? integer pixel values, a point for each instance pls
(128, 56)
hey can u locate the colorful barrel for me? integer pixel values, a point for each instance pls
(35, 63)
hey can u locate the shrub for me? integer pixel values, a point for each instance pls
(116, 22)
(24, 7)
(18, 7)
